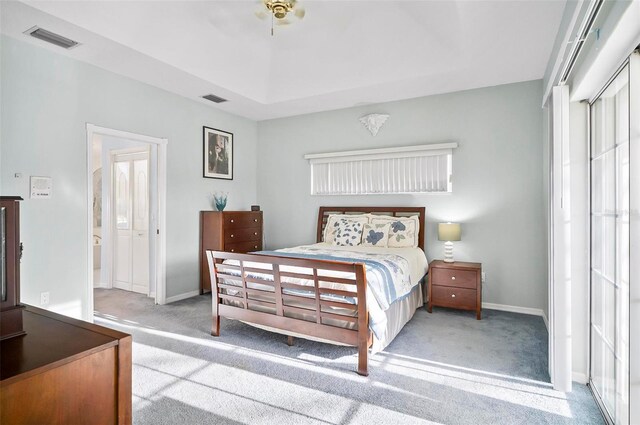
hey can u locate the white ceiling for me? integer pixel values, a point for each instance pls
(343, 53)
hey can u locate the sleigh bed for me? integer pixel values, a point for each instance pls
(322, 291)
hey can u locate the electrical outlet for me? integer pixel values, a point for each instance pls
(44, 298)
(484, 277)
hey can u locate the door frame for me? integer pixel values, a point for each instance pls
(161, 240)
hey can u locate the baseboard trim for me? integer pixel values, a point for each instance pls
(580, 378)
(546, 321)
(101, 286)
(180, 297)
(516, 309)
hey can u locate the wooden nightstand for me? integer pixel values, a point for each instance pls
(455, 285)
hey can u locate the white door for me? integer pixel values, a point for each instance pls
(611, 240)
(131, 212)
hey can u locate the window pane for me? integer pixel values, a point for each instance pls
(122, 195)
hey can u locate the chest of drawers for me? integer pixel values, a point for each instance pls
(455, 285)
(231, 231)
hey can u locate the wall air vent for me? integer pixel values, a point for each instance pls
(51, 37)
(214, 98)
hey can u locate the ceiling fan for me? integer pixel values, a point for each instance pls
(279, 11)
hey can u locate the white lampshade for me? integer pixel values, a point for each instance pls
(449, 231)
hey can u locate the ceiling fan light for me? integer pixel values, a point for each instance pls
(279, 12)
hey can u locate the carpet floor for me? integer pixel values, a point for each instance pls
(443, 368)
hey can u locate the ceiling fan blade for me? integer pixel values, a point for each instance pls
(282, 22)
(299, 13)
(262, 14)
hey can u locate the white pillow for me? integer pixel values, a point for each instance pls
(348, 232)
(330, 228)
(403, 231)
(375, 234)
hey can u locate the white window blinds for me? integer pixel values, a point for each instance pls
(412, 169)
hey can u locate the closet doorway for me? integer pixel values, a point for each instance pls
(614, 161)
(126, 215)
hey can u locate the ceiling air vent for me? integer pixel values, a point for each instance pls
(51, 37)
(214, 98)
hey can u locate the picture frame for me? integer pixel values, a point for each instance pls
(217, 158)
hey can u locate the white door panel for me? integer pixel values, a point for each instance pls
(140, 264)
(122, 264)
(131, 204)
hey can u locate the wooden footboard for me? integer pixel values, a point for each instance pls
(246, 291)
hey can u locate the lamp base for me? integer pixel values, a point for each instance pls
(448, 252)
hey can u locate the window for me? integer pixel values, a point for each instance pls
(410, 169)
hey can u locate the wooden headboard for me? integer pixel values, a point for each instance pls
(324, 212)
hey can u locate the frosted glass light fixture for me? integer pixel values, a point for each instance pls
(448, 232)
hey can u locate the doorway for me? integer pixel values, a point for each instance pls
(127, 201)
(613, 159)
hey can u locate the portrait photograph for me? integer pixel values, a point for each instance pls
(218, 154)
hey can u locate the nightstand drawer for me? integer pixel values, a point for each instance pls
(446, 296)
(454, 277)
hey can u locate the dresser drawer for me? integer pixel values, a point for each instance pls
(242, 235)
(240, 220)
(447, 296)
(453, 277)
(242, 247)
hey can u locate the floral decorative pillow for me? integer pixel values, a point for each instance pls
(403, 231)
(348, 232)
(331, 227)
(375, 234)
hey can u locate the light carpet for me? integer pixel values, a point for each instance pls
(445, 368)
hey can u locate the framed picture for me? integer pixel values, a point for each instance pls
(218, 154)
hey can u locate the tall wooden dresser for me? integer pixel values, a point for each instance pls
(232, 231)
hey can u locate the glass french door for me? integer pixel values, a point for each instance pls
(610, 247)
(131, 212)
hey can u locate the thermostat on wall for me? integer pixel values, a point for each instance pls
(41, 187)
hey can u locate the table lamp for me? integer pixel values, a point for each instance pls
(448, 232)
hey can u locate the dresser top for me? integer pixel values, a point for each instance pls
(51, 340)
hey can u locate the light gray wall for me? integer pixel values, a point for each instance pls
(498, 192)
(47, 99)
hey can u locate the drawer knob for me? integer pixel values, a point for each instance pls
(233, 250)
(453, 295)
(453, 278)
(255, 219)
(232, 235)
(255, 233)
(256, 247)
(232, 220)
